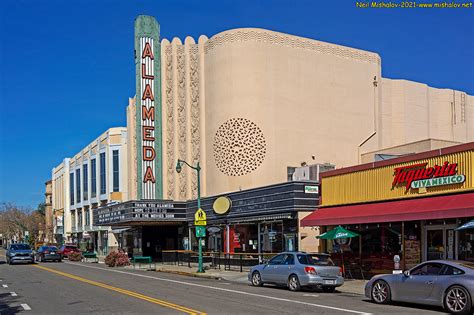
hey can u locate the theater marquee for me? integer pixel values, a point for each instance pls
(148, 108)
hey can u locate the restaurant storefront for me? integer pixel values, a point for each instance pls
(410, 206)
(260, 220)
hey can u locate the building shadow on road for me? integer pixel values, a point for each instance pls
(7, 304)
(411, 308)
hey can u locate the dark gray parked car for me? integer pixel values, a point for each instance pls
(48, 253)
(19, 253)
(445, 283)
(298, 269)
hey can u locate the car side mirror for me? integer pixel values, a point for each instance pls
(406, 273)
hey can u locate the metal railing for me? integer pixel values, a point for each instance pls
(217, 260)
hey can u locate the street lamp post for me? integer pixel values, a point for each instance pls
(197, 168)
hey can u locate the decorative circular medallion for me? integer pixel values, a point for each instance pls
(239, 147)
(222, 205)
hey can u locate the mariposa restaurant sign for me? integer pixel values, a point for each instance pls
(419, 176)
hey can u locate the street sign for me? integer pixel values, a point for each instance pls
(200, 218)
(200, 231)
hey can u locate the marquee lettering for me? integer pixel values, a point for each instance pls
(148, 153)
(147, 52)
(148, 113)
(149, 175)
(148, 94)
(144, 75)
(147, 133)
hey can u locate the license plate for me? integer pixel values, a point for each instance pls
(53, 253)
(329, 282)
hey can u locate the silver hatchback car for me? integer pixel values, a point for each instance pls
(449, 284)
(298, 269)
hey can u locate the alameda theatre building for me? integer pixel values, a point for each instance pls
(409, 206)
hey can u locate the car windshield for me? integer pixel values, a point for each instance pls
(315, 259)
(52, 248)
(20, 247)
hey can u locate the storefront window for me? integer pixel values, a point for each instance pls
(373, 250)
(244, 238)
(466, 243)
(271, 237)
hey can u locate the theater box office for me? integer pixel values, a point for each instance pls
(146, 227)
(409, 206)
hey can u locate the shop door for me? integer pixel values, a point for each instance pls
(440, 242)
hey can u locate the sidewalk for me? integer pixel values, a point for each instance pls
(350, 286)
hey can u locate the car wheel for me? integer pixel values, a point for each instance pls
(294, 283)
(381, 292)
(256, 279)
(457, 300)
(60, 260)
(329, 289)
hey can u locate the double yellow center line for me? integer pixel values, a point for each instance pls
(126, 292)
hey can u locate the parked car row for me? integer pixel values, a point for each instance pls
(448, 284)
(443, 283)
(23, 253)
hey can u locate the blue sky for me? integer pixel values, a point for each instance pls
(66, 67)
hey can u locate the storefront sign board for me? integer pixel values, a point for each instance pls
(311, 189)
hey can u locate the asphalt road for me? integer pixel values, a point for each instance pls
(74, 288)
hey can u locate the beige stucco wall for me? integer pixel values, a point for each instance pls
(305, 97)
(409, 148)
(413, 111)
(307, 240)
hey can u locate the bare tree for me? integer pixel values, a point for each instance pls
(13, 221)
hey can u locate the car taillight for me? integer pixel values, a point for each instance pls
(310, 270)
(340, 271)
(46, 251)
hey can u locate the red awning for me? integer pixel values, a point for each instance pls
(430, 208)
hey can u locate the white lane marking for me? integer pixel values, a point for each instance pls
(4, 285)
(227, 290)
(226, 283)
(26, 307)
(13, 294)
(312, 295)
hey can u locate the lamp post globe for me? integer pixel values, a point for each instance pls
(178, 167)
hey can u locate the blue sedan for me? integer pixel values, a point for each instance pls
(449, 284)
(298, 269)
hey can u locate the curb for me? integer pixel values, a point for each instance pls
(191, 274)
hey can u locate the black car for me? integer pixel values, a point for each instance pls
(48, 253)
(19, 253)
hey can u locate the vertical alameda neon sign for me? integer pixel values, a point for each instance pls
(148, 108)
